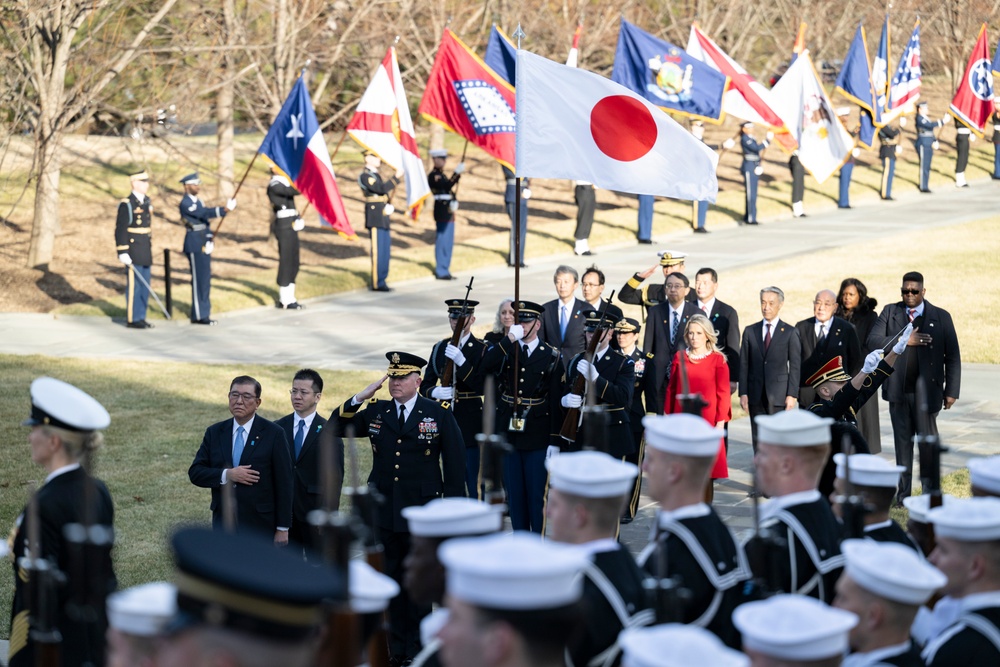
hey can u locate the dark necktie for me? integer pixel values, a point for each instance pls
(300, 437)
(767, 336)
(822, 333)
(524, 351)
(673, 327)
(402, 417)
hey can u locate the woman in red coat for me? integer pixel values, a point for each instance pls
(707, 375)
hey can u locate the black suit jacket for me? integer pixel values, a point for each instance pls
(775, 373)
(260, 507)
(575, 341)
(841, 340)
(939, 363)
(657, 341)
(306, 471)
(727, 324)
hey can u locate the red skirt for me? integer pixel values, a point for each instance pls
(721, 468)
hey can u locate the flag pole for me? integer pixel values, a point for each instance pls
(516, 259)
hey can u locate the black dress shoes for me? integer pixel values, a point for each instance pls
(207, 322)
(445, 277)
(141, 324)
(382, 288)
(295, 305)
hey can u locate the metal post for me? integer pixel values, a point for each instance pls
(166, 280)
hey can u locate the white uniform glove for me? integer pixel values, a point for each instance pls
(946, 120)
(972, 138)
(871, 361)
(526, 193)
(899, 150)
(856, 152)
(453, 205)
(299, 225)
(231, 204)
(728, 143)
(443, 393)
(125, 258)
(902, 121)
(551, 452)
(455, 354)
(571, 400)
(770, 135)
(587, 370)
(388, 209)
(936, 145)
(758, 170)
(516, 331)
(460, 168)
(904, 337)
(209, 247)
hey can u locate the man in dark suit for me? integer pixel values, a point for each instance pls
(824, 337)
(723, 316)
(249, 452)
(770, 362)
(665, 333)
(932, 354)
(592, 286)
(302, 432)
(563, 318)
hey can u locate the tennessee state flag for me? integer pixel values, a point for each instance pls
(296, 145)
(973, 101)
(468, 98)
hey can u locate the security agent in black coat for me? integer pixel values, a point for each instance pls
(659, 327)
(286, 227)
(839, 338)
(133, 242)
(198, 245)
(465, 397)
(377, 192)
(643, 394)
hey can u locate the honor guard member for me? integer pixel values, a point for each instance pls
(874, 481)
(751, 169)
(464, 397)
(66, 425)
(432, 525)
(884, 584)
(513, 601)
(377, 211)
(445, 205)
(984, 474)
(370, 591)
(612, 375)
(138, 618)
(699, 209)
(585, 195)
(995, 119)
(530, 374)
(798, 184)
(243, 603)
(198, 246)
(133, 241)
(889, 148)
(643, 394)
(963, 137)
(286, 227)
(792, 448)
(587, 491)
(689, 539)
(917, 525)
(968, 553)
(788, 630)
(418, 454)
(927, 143)
(676, 645)
(847, 169)
(510, 201)
(645, 230)
(634, 292)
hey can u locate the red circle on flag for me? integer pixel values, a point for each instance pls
(622, 127)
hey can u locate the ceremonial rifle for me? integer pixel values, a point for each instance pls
(44, 579)
(448, 374)
(929, 448)
(852, 506)
(571, 423)
(492, 449)
(667, 595)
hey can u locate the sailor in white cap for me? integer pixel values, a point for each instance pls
(968, 553)
(587, 493)
(917, 525)
(884, 583)
(793, 448)
(676, 645)
(137, 617)
(370, 592)
(690, 541)
(65, 429)
(794, 631)
(513, 601)
(984, 473)
(874, 480)
(445, 205)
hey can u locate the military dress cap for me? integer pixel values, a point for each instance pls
(984, 473)
(628, 325)
(191, 179)
(793, 428)
(403, 363)
(671, 257)
(143, 611)
(528, 310)
(918, 506)
(967, 519)
(370, 589)
(891, 570)
(139, 176)
(922, 105)
(517, 572)
(683, 434)
(439, 152)
(794, 627)
(831, 371)
(242, 583)
(747, 124)
(591, 474)
(451, 517)
(868, 470)
(593, 319)
(369, 153)
(455, 307)
(60, 404)
(676, 645)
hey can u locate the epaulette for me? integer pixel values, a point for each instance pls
(649, 355)
(446, 405)
(373, 400)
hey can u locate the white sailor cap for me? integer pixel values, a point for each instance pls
(868, 470)
(683, 434)
(891, 570)
(370, 590)
(967, 519)
(144, 611)
(591, 474)
(438, 152)
(794, 627)
(793, 428)
(448, 517)
(676, 645)
(985, 474)
(918, 506)
(517, 572)
(58, 403)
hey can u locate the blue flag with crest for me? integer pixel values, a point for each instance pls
(855, 83)
(880, 73)
(501, 55)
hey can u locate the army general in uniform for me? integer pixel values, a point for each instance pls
(134, 245)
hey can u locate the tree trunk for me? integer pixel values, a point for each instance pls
(48, 147)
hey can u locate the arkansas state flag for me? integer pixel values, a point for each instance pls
(745, 98)
(295, 144)
(973, 102)
(382, 124)
(905, 87)
(577, 125)
(468, 98)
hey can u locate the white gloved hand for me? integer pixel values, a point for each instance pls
(571, 401)
(526, 193)
(856, 152)
(231, 204)
(455, 354)
(758, 170)
(936, 145)
(587, 370)
(902, 121)
(453, 205)
(209, 247)
(871, 361)
(125, 258)
(388, 209)
(516, 331)
(904, 338)
(728, 143)
(460, 168)
(399, 175)
(770, 135)
(443, 393)
(946, 120)
(551, 452)
(972, 138)
(899, 150)
(299, 225)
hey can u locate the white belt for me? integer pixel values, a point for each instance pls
(511, 181)
(443, 197)
(996, 128)
(286, 213)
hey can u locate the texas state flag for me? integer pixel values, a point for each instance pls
(295, 144)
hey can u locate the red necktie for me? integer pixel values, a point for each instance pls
(767, 336)
(912, 313)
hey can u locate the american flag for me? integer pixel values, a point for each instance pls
(905, 88)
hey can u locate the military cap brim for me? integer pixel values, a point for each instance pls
(528, 310)
(402, 364)
(139, 176)
(60, 404)
(191, 179)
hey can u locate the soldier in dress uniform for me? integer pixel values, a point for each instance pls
(418, 454)
(645, 222)
(643, 394)
(675, 645)
(926, 142)
(634, 292)
(984, 474)
(788, 630)
(465, 396)
(286, 227)
(133, 241)
(792, 449)
(874, 481)
(751, 169)
(587, 491)
(798, 184)
(510, 201)
(445, 205)
(138, 618)
(963, 139)
(198, 246)
(889, 148)
(884, 584)
(377, 211)
(690, 541)
(995, 119)
(699, 209)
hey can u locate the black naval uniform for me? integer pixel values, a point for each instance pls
(643, 394)
(890, 531)
(636, 293)
(888, 137)
(903, 655)
(974, 639)
(442, 187)
(376, 193)
(282, 196)
(133, 235)
(613, 390)
(694, 544)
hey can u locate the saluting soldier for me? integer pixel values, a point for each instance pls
(445, 205)
(198, 246)
(634, 292)
(286, 227)
(133, 241)
(927, 143)
(377, 211)
(643, 394)
(751, 169)
(888, 137)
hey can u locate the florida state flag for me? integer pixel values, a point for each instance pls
(468, 98)
(973, 101)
